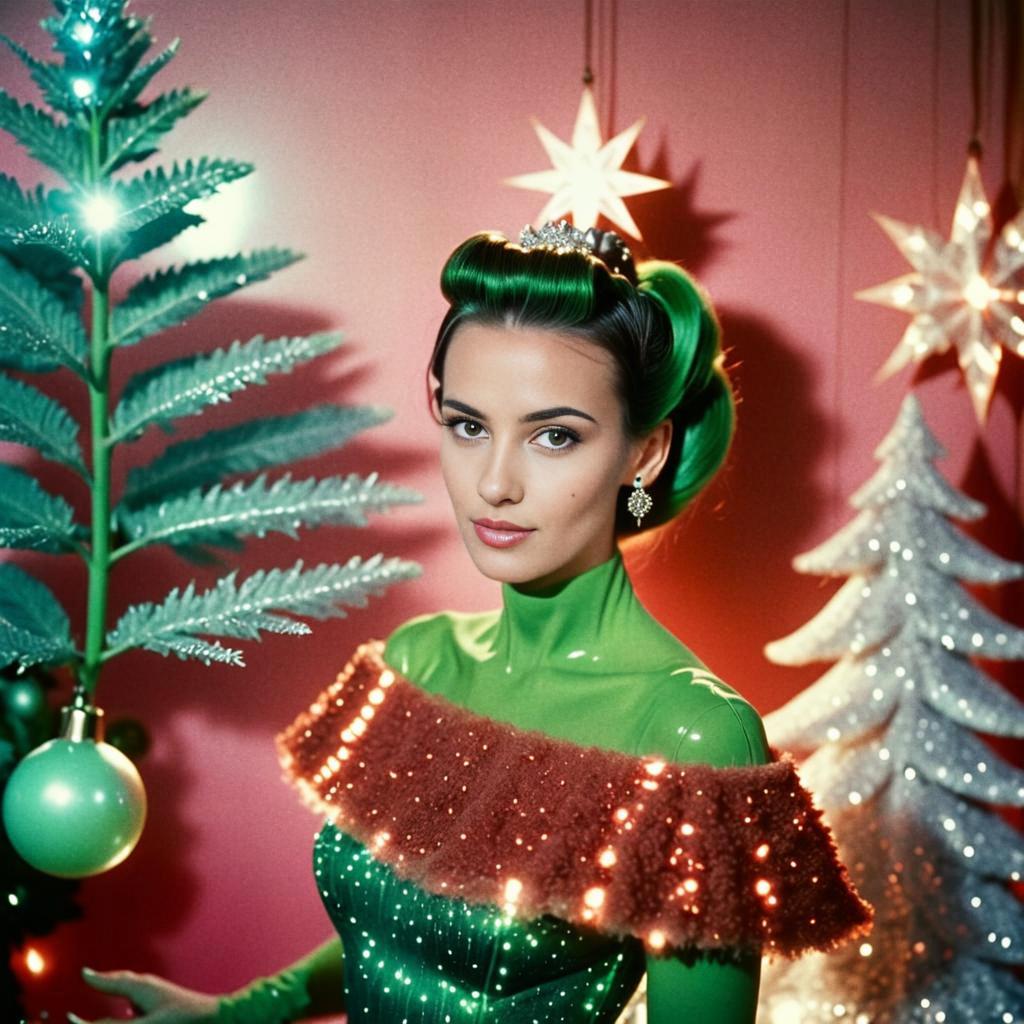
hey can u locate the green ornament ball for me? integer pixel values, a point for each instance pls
(74, 808)
(24, 698)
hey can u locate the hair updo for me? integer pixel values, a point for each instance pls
(662, 332)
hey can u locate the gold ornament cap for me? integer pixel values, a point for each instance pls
(80, 720)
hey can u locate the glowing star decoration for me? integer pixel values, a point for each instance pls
(587, 177)
(954, 296)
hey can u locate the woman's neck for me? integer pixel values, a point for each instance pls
(576, 624)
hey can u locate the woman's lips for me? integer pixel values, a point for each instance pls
(498, 533)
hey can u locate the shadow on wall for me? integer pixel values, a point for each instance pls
(698, 574)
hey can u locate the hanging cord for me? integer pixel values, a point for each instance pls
(1013, 121)
(588, 37)
(936, 108)
(837, 390)
(1013, 147)
(973, 144)
(981, 64)
(607, 47)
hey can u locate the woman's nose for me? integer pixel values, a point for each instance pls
(499, 480)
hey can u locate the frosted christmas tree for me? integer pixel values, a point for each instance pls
(901, 777)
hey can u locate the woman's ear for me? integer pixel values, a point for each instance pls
(651, 453)
(435, 403)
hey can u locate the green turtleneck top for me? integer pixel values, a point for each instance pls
(582, 661)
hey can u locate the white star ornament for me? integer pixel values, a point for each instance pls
(587, 177)
(955, 298)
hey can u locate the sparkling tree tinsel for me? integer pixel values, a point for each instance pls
(901, 777)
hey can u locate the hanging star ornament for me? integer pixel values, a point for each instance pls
(587, 177)
(956, 297)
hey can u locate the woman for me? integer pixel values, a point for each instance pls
(509, 835)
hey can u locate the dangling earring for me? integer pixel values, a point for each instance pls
(639, 503)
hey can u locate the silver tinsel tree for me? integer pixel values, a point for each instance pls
(896, 767)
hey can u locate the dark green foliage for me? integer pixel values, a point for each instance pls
(33, 902)
(34, 628)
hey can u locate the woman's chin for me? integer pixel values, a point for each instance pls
(503, 565)
(502, 569)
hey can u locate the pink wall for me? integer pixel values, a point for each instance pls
(380, 134)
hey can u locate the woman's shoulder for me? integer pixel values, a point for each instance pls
(695, 716)
(689, 713)
(413, 640)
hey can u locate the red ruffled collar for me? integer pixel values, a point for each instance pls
(473, 808)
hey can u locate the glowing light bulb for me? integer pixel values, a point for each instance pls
(978, 292)
(788, 1011)
(34, 960)
(903, 294)
(100, 213)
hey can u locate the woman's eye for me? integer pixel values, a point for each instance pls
(467, 429)
(559, 437)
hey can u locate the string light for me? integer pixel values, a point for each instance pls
(83, 88)
(100, 213)
(35, 961)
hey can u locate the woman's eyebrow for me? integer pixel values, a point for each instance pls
(540, 414)
(558, 410)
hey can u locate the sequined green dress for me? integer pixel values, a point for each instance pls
(584, 662)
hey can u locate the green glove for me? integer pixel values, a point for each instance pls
(275, 1000)
(310, 986)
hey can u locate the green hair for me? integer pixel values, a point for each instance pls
(662, 332)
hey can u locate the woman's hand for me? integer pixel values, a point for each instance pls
(154, 1000)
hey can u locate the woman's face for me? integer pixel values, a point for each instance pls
(533, 451)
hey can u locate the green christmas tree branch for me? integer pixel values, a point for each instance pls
(55, 245)
(178, 499)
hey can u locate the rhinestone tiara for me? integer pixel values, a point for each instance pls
(607, 246)
(562, 237)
